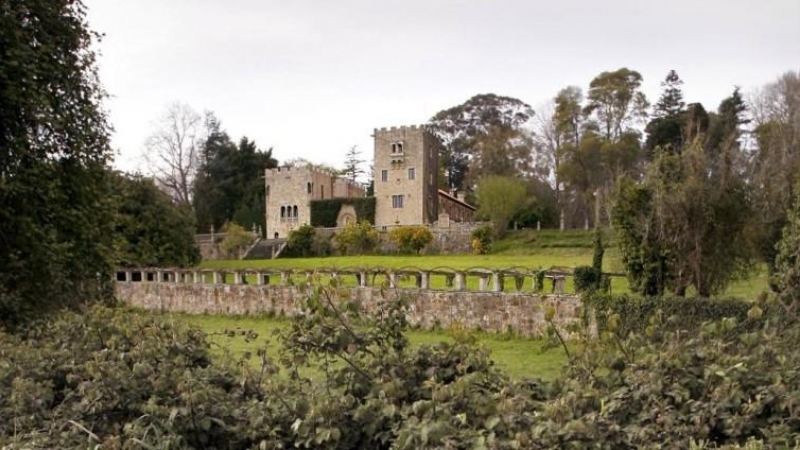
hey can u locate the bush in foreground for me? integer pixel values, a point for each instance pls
(121, 379)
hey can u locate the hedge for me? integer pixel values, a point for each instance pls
(324, 212)
(634, 312)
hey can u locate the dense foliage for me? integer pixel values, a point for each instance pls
(229, 185)
(357, 239)
(325, 212)
(411, 238)
(236, 240)
(122, 379)
(300, 241)
(56, 215)
(486, 135)
(481, 239)
(151, 230)
(686, 224)
(787, 262)
(632, 313)
(500, 198)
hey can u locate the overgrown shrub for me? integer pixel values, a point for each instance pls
(357, 239)
(634, 313)
(481, 240)
(587, 278)
(411, 239)
(236, 240)
(301, 241)
(118, 379)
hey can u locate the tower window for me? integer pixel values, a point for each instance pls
(411, 174)
(400, 147)
(394, 147)
(384, 175)
(397, 201)
(283, 212)
(309, 187)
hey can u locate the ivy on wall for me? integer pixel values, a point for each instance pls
(324, 212)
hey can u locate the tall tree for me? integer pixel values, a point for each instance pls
(569, 114)
(151, 230)
(353, 169)
(229, 184)
(617, 101)
(776, 161)
(666, 130)
(55, 211)
(487, 134)
(671, 101)
(687, 224)
(173, 151)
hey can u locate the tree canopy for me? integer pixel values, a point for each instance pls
(151, 230)
(486, 135)
(56, 215)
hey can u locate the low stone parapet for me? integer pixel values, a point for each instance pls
(492, 311)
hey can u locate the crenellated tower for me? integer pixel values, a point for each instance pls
(406, 168)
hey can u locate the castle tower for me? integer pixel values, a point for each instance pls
(406, 168)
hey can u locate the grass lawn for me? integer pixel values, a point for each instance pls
(517, 356)
(526, 249)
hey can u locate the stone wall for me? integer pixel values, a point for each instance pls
(489, 311)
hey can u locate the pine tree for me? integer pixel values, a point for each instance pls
(352, 166)
(670, 103)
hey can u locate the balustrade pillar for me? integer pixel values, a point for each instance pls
(497, 282)
(483, 282)
(461, 281)
(424, 280)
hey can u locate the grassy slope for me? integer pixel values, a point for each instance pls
(519, 357)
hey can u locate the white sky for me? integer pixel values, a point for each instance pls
(313, 78)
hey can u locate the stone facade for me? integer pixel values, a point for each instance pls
(522, 313)
(289, 191)
(406, 176)
(406, 167)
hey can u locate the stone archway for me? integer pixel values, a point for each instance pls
(347, 215)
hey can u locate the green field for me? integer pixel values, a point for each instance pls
(517, 356)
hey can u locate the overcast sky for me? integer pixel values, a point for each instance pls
(313, 78)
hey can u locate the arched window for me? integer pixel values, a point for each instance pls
(295, 211)
(283, 212)
(309, 187)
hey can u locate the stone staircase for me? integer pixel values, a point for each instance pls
(266, 249)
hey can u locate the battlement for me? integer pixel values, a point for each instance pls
(301, 170)
(401, 128)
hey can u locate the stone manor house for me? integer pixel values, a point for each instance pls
(406, 168)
